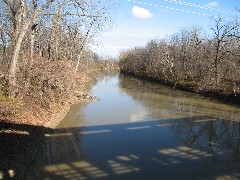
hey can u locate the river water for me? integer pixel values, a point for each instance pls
(143, 130)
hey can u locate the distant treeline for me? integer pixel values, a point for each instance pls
(191, 60)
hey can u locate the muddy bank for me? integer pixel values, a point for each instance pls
(59, 115)
(219, 95)
(36, 113)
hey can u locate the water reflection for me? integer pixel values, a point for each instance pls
(164, 102)
(217, 137)
(141, 130)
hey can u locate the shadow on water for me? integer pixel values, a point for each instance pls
(199, 147)
(173, 135)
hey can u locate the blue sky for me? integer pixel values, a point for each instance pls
(139, 21)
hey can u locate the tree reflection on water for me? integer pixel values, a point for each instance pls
(217, 132)
(218, 137)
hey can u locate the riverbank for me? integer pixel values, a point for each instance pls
(22, 132)
(25, 122)
(46, 91)
(19, 111)
(233, 98)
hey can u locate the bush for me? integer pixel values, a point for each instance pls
(45, 82)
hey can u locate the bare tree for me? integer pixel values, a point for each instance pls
(222, 43)
(97, 16)
(191, 59)
(21, 24)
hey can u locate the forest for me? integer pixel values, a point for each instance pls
(205, 61)
(45, 54)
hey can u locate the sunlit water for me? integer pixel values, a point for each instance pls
(142, 130)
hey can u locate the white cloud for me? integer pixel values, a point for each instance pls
(213, 4)
(141, 13)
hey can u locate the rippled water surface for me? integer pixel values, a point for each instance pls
(142, 130)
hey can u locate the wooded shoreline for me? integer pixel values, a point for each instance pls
(192, 60)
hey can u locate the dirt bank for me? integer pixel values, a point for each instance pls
(23, 129)
(233, 98)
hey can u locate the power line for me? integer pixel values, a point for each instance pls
(177, 9)
(206, 7)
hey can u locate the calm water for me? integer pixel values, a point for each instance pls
(142, 130)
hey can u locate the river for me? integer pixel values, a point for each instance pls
(142, 130)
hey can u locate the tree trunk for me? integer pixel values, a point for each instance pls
(25, 22)
(13, 65)
(32, 45)
(4, 44)
(54, 45)
(32, 40)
